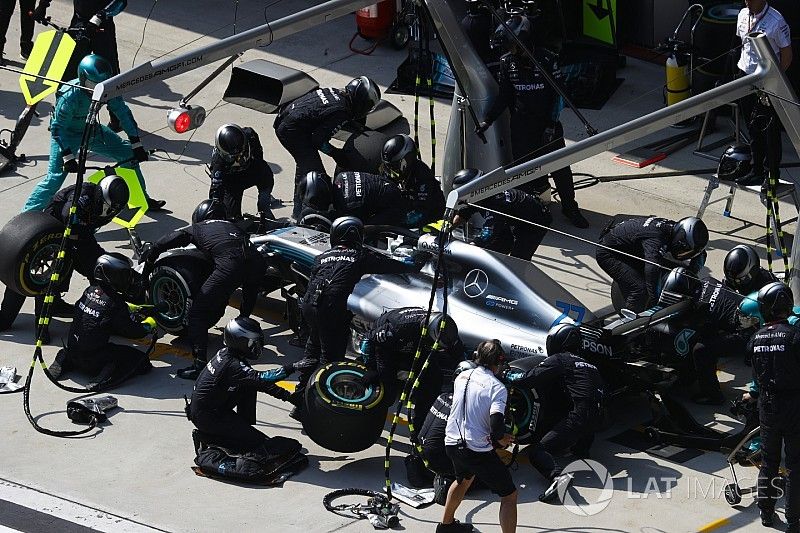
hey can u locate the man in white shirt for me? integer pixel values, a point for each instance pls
(475, 428)
(762, 123)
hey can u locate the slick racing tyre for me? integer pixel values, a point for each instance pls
(29, 243)
(342, 414)
(175, 280)
(523, 407)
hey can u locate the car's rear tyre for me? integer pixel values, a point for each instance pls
(341, 414)
(29, 242)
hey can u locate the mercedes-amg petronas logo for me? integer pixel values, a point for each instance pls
(475, 283)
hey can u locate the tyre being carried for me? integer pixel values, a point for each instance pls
(342, 414)
(29, 243)
(175, 281)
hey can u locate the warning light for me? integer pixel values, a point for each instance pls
(183, 119)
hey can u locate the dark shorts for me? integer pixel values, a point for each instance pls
(486, 466)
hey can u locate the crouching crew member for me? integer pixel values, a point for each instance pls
(392, 343)
(775, 352)
(506, 235)
(100, 313)
(97, 205)
(236, 263)
(649, 238)
(306, 126)
(743, 270)
(237, 164)
(423, 193)
(583, 383)
(227, 382)
(333, 278)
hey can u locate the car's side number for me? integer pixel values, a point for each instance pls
(567, 308)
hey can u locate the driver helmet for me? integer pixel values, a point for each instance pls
(243, 336)
(347, 231)
(736, 162)
(113, 196)
(689, 238)
(741, 265)
(447, 337)
(316, 190)
(93, 69)
(398, 156)
(232, 146)
(562, 338)
(364, 95)
(208, 210)
(114, 270)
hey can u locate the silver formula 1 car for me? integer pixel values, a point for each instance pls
(488, 295)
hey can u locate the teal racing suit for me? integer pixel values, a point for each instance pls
(66, 126)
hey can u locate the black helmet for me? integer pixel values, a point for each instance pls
(520, 26)
(316, 190)
(689, 238)
(682, 282)
(735, 162)
(447, 337)
(232, 145)
(775, 301)
(113, 196)
(208, 210)
(364, 95)
(347, 231)
(243, 336)
(465, 176)
(114, 270)
(398, 156)
(740, 265)
(563, 338)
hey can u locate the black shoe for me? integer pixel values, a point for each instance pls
(191, 372)
(2, 60)
(709, 398)
(753, 178)
(155, 205)
(575, 216)
(561, 482)
(767, 517)
(25, 50)
(454, 527)
(58, 367)
(296, 413)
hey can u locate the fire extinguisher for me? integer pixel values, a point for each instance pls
(677, 78)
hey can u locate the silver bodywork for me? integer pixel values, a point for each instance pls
(489, 295)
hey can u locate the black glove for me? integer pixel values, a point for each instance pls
(40, 13)
(340, 157)
(70, 163)
(482, 127)
(138, 150)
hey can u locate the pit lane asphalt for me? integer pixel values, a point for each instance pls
(138, 466)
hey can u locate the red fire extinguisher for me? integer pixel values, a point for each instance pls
(375, 21)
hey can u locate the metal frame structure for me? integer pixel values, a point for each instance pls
(479, 91)
(767, 77)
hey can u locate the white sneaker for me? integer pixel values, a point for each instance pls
(560, 483)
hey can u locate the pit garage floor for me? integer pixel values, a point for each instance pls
(134, 474)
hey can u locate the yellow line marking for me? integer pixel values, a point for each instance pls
(716, 524)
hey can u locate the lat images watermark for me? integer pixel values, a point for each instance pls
(592, 475)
